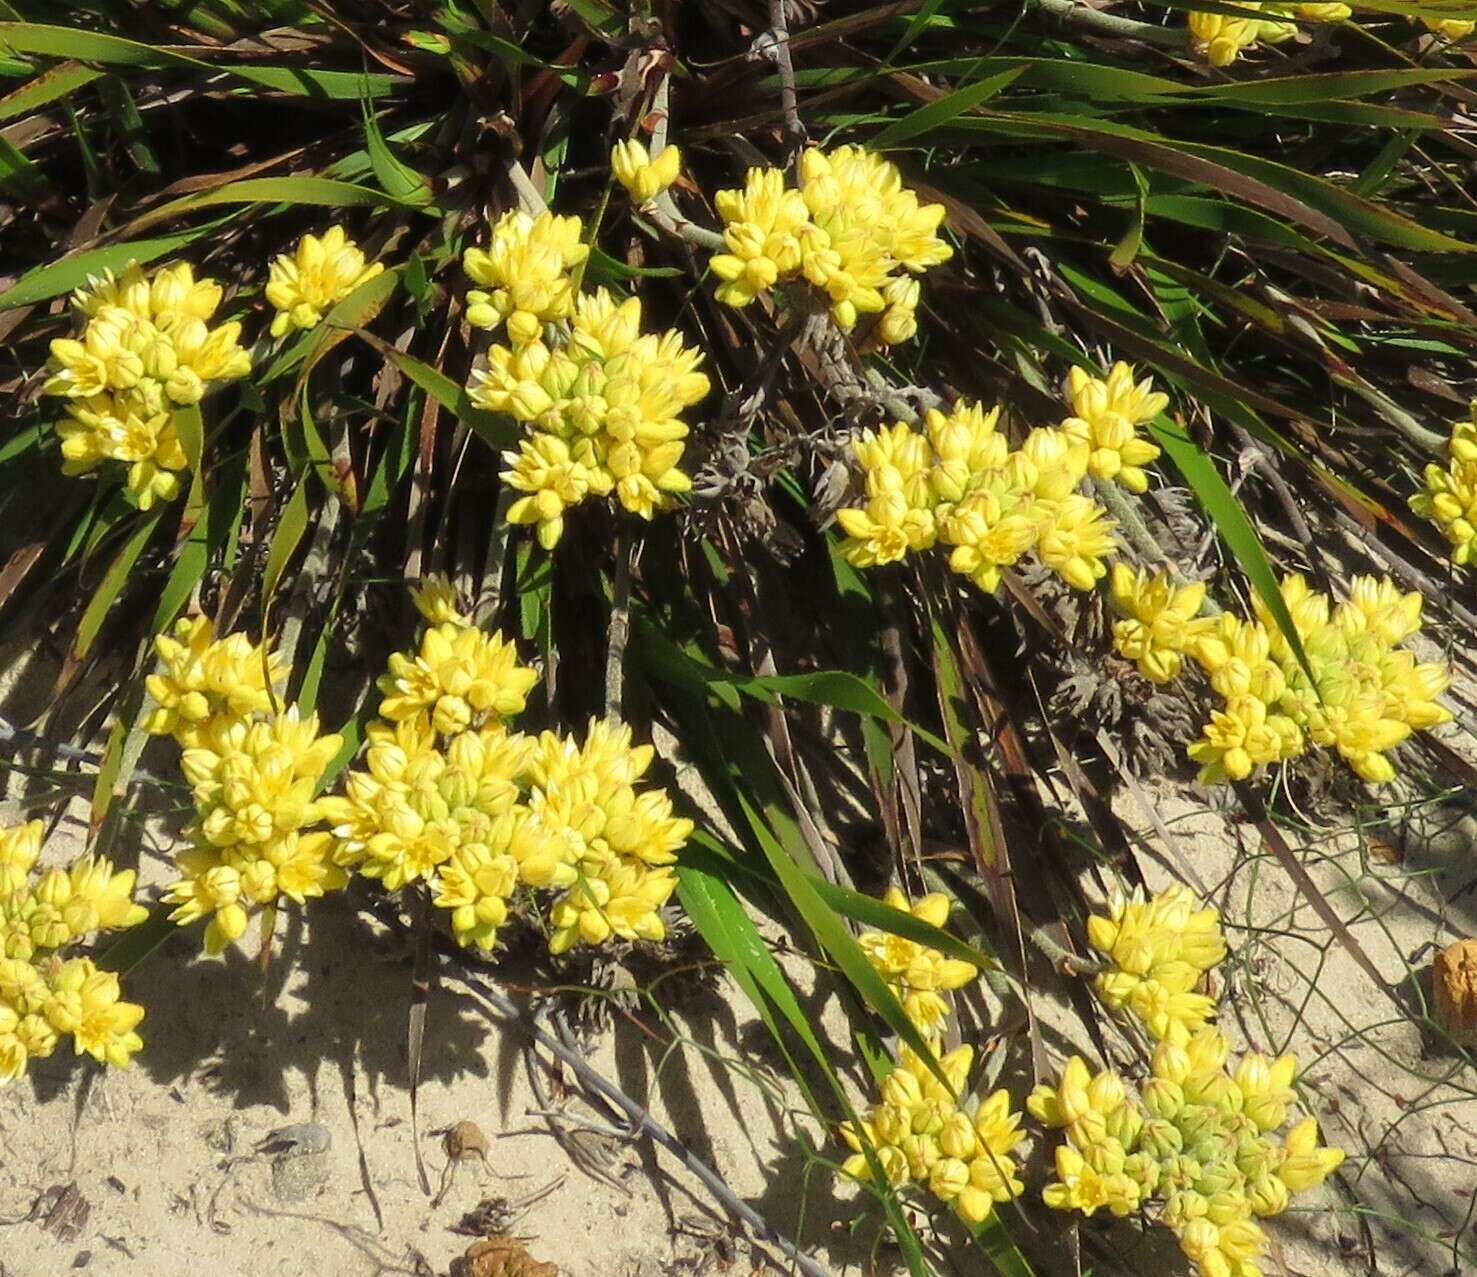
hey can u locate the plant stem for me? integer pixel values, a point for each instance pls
(1074, 14)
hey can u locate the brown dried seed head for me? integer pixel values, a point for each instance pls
(1454, 982)
(465, 1141)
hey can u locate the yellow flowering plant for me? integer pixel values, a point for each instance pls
(521, 361)
(851, 230)
(46, 995)
(958, 483)
(254, 769)
(450, 795)
(1354, 687)
(918, 976)
(146, 351)
(316, 276)
(1195, 1146)
(1449, 497)
(925, 1132)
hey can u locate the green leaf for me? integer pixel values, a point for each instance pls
(874, 913)
(137, 943)
(222, 516)
(113, 582)
(1232, 525)
(838, 689)
(936, 114)
(58, 82)
(73, 272)
(396, 177)
(496, 431)
(111, 50)
(285, 538)
(318, 192)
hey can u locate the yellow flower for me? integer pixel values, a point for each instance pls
(867, 229)
(204, 682)
(477, 881)
(435, 599)
(1077, 537)
(461, 676)
(1219, 38)
(763, 226)
(87, 1003)
(554, 478)
(885, 530)
(318, 275)
(643, 177)
(145, 351)
(967, 449)
(20, 845)
(525, 273)
(1449, 497)
(210, 889)
(1237, 656)
(1105, 416)
(990, 529)
(852, 229)
(100, 898)
(413, 805)
(1050, 463)
(128, 427)
(1079, 1187)
(917, 974)
(1161, 622)
(618, 898)
(1305, 1163)
(1242, 737)
(1323, 12)
(605, 409)
(1266, 1088)
(253, 782)
(1450, 29)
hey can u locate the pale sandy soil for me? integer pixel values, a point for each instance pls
(165, 1154)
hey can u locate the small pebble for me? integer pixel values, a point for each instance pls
(297, 1176)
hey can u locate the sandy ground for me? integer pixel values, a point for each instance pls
(159, 1169)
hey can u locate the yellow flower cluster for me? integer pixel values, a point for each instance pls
(922, 1133)
(43, 995)
(319, 274)
(1106, 414)
(1159, 949)
(1220, 38)
(959, 484)
(524, 274)
(254, 772)
(448, 794)
(852, 230)
(603, 405)
(1368, 693)
(146, 350)
(643, 177)
(1197, 1140)
(1450, 495)
(1161, 621)
(204, 683)
(917, 975)
(461, 676)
